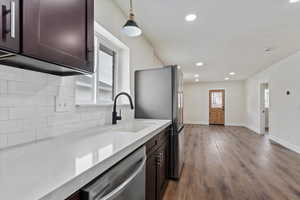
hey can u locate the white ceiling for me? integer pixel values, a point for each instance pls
(227, 35)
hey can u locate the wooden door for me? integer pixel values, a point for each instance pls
(10, 25)
(217, 107)
(59, 32)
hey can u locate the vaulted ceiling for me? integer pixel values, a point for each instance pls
(228, 36)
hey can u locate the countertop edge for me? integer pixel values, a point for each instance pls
(67, 189)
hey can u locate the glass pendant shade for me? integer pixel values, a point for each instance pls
(131, 29)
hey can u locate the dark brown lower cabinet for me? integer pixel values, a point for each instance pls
(157, 167)
(162, 171)
(151, 177)
(75, 196)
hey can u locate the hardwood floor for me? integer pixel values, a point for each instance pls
(233, 163)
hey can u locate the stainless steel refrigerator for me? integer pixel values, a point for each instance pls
(159, 95)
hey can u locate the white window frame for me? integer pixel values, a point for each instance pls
(121, 71)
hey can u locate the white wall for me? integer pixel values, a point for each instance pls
(284, 116)
(196, 102)
(27, 99)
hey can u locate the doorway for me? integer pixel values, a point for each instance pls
(217, 107)
(264, 108)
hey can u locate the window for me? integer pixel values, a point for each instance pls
(105, 74)
(112, 72)
(267, 99)
(99, 88)
(217, 100)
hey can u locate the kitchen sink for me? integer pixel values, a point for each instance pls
(133, 127)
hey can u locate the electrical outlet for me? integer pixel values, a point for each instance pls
(62, 104)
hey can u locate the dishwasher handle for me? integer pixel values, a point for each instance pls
(121, 187)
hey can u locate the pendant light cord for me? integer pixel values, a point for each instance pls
(131, 9)
(131, 15)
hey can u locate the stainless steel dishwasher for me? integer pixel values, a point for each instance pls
(124, 181)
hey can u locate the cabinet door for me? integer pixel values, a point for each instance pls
(75, 196)
(9, 25)
(59, 32)
(151, 176)
(162, 171)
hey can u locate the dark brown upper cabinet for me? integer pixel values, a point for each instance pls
(9, 25)
(57, 36)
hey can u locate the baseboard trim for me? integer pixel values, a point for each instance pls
(207, 123)
(239, 125)
(251, 129)
(284, 143)
(196, 122)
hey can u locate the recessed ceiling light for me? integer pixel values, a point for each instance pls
(294, 1)
(232, 73)
(197, 80)
(268, 49)
(226, 79)
(196, 75)
(199, 64)
(190, 17)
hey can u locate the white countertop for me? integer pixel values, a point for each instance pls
(55, 168)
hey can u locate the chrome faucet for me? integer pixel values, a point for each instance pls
(115, 116)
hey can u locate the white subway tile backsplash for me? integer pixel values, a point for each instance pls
(10, 73)
(3, 141)
(3, 87)
(92, 116)
(34, 77)
(25, 100)
(15, 74)
(3, 113)
(44, 133)
(61, 81)
(63, 118)
(11, 126)
(27, 107)
(34, 123)
(30, 112)
(16, 87)
(21, 138)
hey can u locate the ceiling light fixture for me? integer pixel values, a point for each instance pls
(190, 17)
(294, 1)
(131, 29)
(269, 49)
(196, 75)
(232, 73)
(199, 64)
(226, 79)
(178, 67)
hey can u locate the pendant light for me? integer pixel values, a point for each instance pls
(131, 29)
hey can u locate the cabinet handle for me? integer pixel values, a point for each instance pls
(158, 159)
(12, 19)
(12, 13)
(4, 19)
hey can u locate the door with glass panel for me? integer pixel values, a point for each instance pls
(217, 107)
